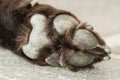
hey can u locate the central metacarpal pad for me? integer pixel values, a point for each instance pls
(38, 37)
(63, 22)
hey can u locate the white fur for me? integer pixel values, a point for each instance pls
(89, 27)
(37, 37)
(34, 2)
(63, 22)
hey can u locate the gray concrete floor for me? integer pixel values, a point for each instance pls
(104, 15)
(13, 67)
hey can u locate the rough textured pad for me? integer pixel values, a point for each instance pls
(85, 39)
(79, 59)
(53, 60)
(37, 37)
(63, 22)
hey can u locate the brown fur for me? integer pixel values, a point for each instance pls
(15, 28)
